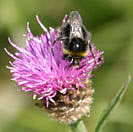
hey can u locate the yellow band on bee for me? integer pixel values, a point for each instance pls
(83, 54)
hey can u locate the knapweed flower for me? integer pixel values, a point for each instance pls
(65, 91)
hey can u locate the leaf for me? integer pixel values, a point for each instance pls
(107, 111)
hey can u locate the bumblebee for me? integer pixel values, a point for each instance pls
(74, 38)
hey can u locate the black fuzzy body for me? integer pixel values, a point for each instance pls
(74, 37)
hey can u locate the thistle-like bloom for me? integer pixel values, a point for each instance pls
(39, 69)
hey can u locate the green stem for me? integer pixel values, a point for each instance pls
(78, 126)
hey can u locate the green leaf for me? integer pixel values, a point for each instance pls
(107, 111)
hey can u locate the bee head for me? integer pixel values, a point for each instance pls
(77, 45)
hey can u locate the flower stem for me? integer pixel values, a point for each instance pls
(78, 126)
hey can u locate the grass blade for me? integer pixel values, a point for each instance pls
(105, 114)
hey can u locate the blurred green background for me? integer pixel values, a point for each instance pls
(111, 25)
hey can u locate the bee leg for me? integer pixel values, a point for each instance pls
(90, 48)
(65, 57)
(99, 59)
(59, 39)
(75, 61)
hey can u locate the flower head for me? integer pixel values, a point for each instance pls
(39, 68)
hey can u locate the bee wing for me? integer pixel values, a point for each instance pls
(75, 22)
(75, 18)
